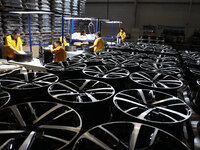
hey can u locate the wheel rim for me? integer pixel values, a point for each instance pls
(38, 125)
(65, 66)
(198, 81)
(30, 80)
(4, 98)
(105, 72)
(156, 80)
(81, 91)
(131, 136)
(152, 106)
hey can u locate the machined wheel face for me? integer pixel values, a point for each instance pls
(29, 80)
(65, 66)
(38, 125)
(156, 80)
(81, 91)
(123, 64)
(165, 67)
(4, 98)
(127, 136)
(105, 72)
(152, 106)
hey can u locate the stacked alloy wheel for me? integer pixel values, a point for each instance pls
(38, 125)
(115, 76)
(91, 98)
(28, 85)
(66, 70)
(156, 81)
(126, 136)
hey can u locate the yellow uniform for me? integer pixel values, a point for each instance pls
(65, 42)
(10, 41)
(122, 35)
(99, 45)
(60, 54)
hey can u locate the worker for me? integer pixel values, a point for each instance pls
(13, 44)
(99, 43)
(59, 51)
(122, 35)
(65, 41)
(83, 33)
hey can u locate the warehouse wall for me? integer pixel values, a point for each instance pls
(156, 12)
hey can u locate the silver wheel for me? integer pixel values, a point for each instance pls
(30, 80)
(81, 91)
(156, 80)
(152, 106)
(127, 136)
(38, 125)
(105, 72)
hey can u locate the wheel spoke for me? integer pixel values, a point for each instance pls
(67, 87)
(145, 113)
(18, 115)
(93, 99)
(47, 113)
(26, 144)
(141, 93)
(173, 112)
(56, 138)
(134, 136)
(129, 101)
(57, 127)
(96, 141)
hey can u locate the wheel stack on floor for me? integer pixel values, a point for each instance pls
(126, 97)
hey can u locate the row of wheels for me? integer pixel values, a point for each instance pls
(95, 102)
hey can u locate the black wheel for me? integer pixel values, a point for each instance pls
(38, 125)
(91, 98)
(108, 75)
(27, 85)
(81, 91)
(164, 67)
(130, 65)
(156, 81)
(152, 106)
(66, 70)
(127, 136)
(103, 72)
(89, 59)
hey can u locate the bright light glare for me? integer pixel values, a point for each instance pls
(30, 12)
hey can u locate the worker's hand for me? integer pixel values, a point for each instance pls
(21, 52)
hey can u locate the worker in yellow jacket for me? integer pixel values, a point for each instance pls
(13, 44)
(99, 43)
(59, 51)
(122, 34)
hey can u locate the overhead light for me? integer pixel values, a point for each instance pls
(78, 18)
(104, 20)
(114, 22)
(30, 12)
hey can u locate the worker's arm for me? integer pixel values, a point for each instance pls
(95, 44)
(13, 49)
(52, 50)
(21, 48)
